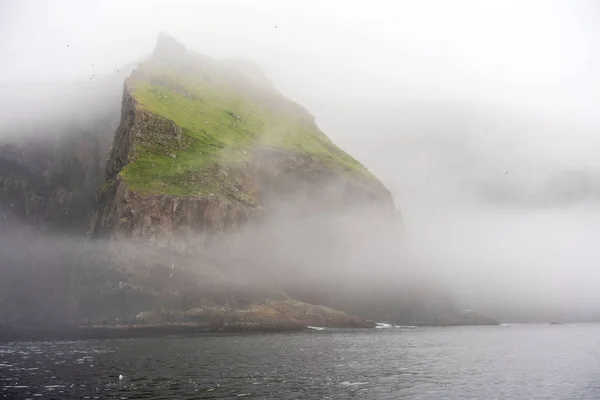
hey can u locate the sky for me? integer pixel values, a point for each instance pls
(479, 116)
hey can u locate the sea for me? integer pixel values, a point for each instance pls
(520, 361)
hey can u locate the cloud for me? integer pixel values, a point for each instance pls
(480, 117)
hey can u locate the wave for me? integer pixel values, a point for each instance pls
(383, 325)
(316, 328)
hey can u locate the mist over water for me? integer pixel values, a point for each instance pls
(501, 206)
(481, 119)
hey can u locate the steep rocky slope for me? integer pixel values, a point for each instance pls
(208, 145)
(220, 204)
(205, 160)
(54, 140)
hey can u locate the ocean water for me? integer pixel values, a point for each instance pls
(493, 362)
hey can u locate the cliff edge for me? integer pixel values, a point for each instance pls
(207, 159)
(207, 145)
(222, 205)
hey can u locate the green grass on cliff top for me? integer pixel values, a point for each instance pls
(219, 123)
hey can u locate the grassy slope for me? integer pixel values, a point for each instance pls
(219, 123)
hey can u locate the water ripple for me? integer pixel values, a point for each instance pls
(517, 362)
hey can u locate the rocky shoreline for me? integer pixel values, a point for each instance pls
(257, 321)
(128, 332)
(285, 315)
(8, 334)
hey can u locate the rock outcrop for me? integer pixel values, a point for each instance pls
(54, 141)
(205, 147)
(220, 205)
(206, 155)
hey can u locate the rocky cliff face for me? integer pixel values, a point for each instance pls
(53, 149)
(220, 204)
(53, 184)
(204, 147)
(54, 142)
(207, 159)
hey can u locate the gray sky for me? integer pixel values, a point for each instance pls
(480, 116)
(499, 51)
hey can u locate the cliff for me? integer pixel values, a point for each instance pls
(54, 140)
(206, 154)
(219, 205)
(206, 145)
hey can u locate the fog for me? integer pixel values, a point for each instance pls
(480, 117)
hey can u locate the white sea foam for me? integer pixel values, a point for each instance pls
(383, 325)
(347, 383)
(316, 328)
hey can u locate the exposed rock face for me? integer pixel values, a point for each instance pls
(51, 167)
(53, 184)
(52, 161)
(157, 217)
(213, 217)
(219, 205)
(249, 171)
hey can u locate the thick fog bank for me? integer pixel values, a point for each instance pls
(480, 117)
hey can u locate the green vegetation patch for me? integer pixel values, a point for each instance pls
(219, 124)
